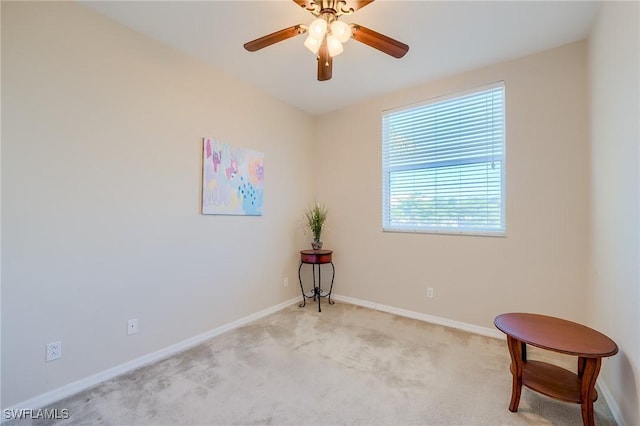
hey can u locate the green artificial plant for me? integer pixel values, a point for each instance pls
(316, 216)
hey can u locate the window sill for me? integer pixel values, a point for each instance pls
(502, 234)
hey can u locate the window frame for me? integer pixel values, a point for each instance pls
(386, 207)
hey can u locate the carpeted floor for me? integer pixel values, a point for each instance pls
(345, 366)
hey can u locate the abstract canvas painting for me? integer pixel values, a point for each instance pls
(232, 179)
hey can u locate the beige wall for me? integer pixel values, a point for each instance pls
(101, 172)
(101, 190)
(539, 266)
(614, 62)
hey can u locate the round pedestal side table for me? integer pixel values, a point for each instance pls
(316, 258)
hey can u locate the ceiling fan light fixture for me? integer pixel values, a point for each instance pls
(333, 45)
(341, 30)
(327, 33)
(312, 44)
(318, 29)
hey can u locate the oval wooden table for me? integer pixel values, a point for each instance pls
(556, 335)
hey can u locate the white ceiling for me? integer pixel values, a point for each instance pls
(445, 37)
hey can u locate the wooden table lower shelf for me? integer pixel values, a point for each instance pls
(553, 381)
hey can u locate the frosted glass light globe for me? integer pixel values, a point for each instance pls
(318, 28)
(341, 30)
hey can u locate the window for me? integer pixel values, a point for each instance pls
(443, 165)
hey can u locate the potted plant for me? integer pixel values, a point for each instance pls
(316, 217)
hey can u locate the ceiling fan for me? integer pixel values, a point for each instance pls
(327, 33)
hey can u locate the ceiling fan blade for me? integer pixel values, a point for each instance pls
(273, 38)
(359, 4)
(325, 62)
(379, 41)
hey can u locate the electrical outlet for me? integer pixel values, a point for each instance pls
(132, 326)
(285, 283)
(54, 351)
(430, 292)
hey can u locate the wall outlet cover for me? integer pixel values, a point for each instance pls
(132, 326)
(54, 351)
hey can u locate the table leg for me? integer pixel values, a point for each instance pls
(318, 289)
(304, 299)
(331, 302)
(588, 369)
(315, 287)
(516, 351)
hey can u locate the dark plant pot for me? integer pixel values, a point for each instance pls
(316, 245)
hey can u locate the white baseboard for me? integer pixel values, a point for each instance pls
(472, 328)
(603, 390)
(65, 391)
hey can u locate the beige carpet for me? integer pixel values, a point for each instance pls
(347, 365)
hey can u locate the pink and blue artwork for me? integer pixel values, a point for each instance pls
(232, 179)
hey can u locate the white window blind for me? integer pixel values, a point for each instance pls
(443, 165)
